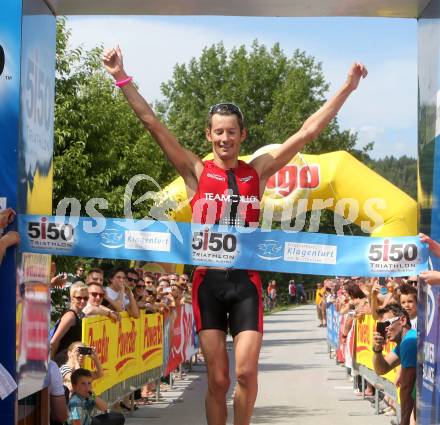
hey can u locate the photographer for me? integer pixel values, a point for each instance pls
(395, 326)
(76, 355)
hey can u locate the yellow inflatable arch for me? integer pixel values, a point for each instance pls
(335, 181)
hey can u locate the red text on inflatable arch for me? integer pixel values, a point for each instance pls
(100, 344)
(292, 177)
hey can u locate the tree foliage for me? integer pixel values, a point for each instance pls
(402, 172)
(99, 143)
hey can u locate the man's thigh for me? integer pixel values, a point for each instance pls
(213, 345)
(247, 346)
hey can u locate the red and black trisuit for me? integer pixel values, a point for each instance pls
(229, 298)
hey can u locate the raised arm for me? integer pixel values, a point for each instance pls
(187, 164)
(269, 163)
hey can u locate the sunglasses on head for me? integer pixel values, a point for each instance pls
(225, 107)
(97, 294)
(389, 322)
(81, 298)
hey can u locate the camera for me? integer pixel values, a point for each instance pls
(85, 351)
(381, 329)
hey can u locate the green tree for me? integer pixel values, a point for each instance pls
(99, 143)
(402, 172)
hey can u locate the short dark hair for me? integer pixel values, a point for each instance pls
(79, 373)
(225, 108)
(355, 292)
(132, 271)
(114, 270)
(406, 289)
(95, 270)
(397, 310)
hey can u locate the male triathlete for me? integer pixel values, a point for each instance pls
(227, 299)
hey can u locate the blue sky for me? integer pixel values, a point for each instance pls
(384, 109)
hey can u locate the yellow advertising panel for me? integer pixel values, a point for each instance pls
(364, 343)
(151, 355)
(126, 348)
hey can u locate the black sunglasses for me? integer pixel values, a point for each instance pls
(225, 107)
(132, 279)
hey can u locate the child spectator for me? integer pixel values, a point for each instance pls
(83, 401)
(408, 301)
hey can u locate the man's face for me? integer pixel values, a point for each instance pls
(96, 295)
(409, 303)
(225, 136)
(395, 328)
(183, 278)
(132, 279)
(95, 277)
(80, 271)
(83, 386)
(117, 281)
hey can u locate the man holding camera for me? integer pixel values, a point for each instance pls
(395, 326)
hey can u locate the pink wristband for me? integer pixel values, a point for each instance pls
(123, 83)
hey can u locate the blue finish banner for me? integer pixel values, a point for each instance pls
(333, 325)
(222, 246)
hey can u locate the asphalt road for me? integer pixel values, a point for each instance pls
(298, 383)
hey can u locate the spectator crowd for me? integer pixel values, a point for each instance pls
(392, 302)
(89, 293)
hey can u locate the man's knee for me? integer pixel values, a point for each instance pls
(246, 376)
(218, 384)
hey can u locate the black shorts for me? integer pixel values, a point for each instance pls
(227, 299)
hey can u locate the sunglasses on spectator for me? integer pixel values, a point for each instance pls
(97, 294)
(132, 279)
(389, 322)
(183, 279)
(81, 298)
(148, 282)
(225, 107)
(140, 286)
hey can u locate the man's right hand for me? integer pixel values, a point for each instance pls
(113, 63)
(378, 341)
